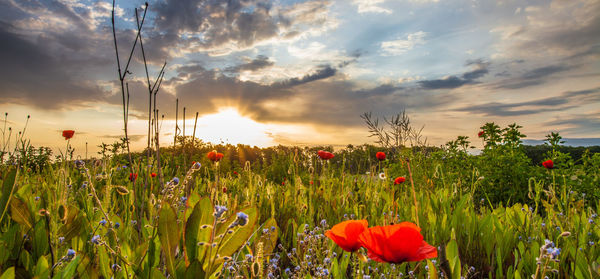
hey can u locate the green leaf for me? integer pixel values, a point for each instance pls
(198, 228)
(168, 233)
(20, 213)
(194, 270)
(41, 270)
(432, 271)
(8, 183)
(72, 227)
(9, 273)
(453, 259)
(40, 244)
(236, 239)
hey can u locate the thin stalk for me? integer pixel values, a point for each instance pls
(412, 185)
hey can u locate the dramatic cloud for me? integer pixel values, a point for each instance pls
(480, 69)
(532, 77)
(562, 102)
(32, 76)
(258, 63)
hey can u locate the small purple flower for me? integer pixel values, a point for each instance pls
(96, 239)
(103, 222)
(71, 253)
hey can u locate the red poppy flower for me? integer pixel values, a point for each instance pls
(311, 182)
(153, 174)
(345, 234)
(214, 156)
(235, 172)
(132, 177)
(325, 155)
(68, 134)
(548, 164)
(224, 189)
(380, 156)
(480, 134)
(396, 243)
(399, 180)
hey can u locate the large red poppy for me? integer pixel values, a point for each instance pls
(68, 134)
(396, 243)
(399, 180)
(325, 155)
(214, 156)
(345, 234)
(380, 156)
(480, 134)
(548, 164)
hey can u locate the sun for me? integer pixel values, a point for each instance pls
(229, 126)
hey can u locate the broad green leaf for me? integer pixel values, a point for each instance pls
(41, 269)
(168, 233)
(40, 244)
(453, 259)
(20, 213)
(198, 228)
(9, 273)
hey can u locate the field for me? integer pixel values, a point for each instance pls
(243, 212)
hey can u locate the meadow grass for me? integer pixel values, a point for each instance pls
(490, 216)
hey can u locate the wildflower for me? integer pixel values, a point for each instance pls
(153, 174)
(67, 134)
(37, 198)
(175, 181)
(117, 225)
(235, 172)
(345, 234)
(480, 134)
(132, 177)
(224, 189)
(242, 219)
(102, 222)
(214, 156)
(196, 165)
(71, 253)
(325, 155)
(396, 243)
(96, 239)
(382, 176)
(219, 210)
(548, 164)
(380, 156)
(399, 180)
(61, 239)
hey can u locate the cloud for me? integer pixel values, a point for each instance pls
(35, 77)
(370, 6)
(322, 73)
(400, 46)
(258, 63)
(561, 102)
(224, 27)
(480, 69)
(531, 77)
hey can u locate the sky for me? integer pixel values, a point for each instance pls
(292, 72)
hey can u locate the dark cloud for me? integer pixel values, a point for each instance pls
(531, 77)
(480, 69)
(33, 76)
(563, 101)
(322, 73)
(258, 63)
